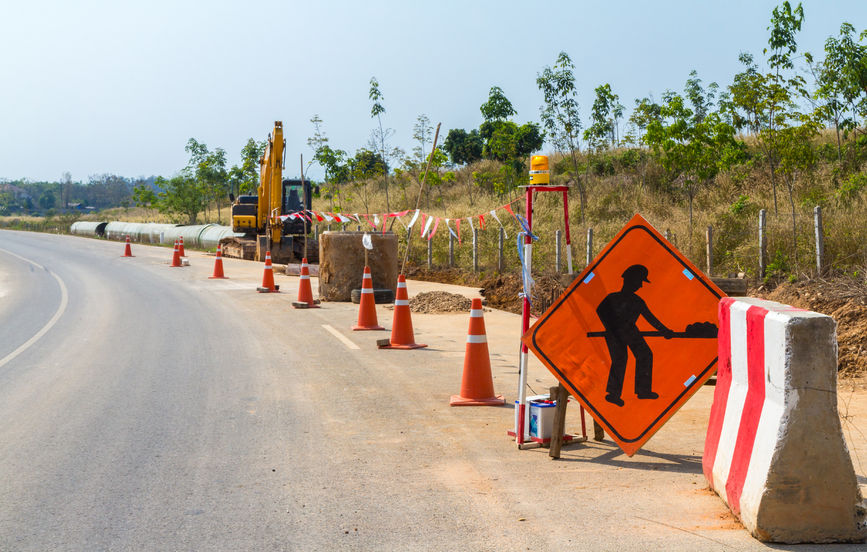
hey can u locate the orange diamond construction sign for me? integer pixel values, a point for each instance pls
(634, 336)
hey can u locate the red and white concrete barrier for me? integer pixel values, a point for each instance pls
(775, 451)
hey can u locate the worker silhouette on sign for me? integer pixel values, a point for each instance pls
(619, 312)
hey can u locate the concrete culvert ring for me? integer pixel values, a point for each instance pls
(380, 296)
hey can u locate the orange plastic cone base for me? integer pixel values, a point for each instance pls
(367, 305)
(477, 385)
(305, 290)
(402, 336)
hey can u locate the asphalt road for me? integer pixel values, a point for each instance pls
(148, 408)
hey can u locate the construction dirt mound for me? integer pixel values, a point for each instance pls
(844, 299)
(438, 302)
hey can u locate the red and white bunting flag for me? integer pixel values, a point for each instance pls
(425, 225)
(413, 219)
(494, 214)
(434, 231)
(482, 222)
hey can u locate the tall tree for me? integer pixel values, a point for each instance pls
(498, 107)
(380, 135)
(692, 152)
(463, 147)
(603, 116)
(560, 115)
(422, 132)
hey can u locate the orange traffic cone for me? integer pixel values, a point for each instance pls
(218, 265)
(477, 386)
(181, 246)
(305, 292)
(367, 305)
(401, 325)
(268, 277)
(127, 251)
(176, 257)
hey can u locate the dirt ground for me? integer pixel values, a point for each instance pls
(842, 297)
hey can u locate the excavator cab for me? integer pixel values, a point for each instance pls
(296, 197)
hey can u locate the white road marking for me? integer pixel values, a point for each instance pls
(343, 339)
(64, 301)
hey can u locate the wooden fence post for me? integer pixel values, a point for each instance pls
(475, 249)
(820, 238)
(316, 232)
(557, 250)
(358, 228)
(709, 238)
(589, 246)
(451, 250)
(500, 251)
(763, 244)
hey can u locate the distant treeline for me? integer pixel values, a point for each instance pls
(103, 191)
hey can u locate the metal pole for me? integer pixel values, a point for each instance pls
(763, 244)
(452, 239)
(475, 249)
(557, 250)
(316, 232)
(568, 237)
(358, 228)
(820, 238)
(709, 237)
(589, 246)
(429, 254)
(525, 325)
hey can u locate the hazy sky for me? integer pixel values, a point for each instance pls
(118, 86)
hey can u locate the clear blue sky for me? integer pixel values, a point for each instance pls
(117, 86)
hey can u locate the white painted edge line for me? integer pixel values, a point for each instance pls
(64, 301)
(343, 339)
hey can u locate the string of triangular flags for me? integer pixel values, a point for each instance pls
(428, 223)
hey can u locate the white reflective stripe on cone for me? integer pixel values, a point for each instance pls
(476, 313)
(401, 284)
(305, 276)
(401, 302)
(477, 339)
(367, 276)
(366, 290)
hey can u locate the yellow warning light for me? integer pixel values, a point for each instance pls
(539, 169)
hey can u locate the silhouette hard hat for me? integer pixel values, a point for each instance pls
(636, 273)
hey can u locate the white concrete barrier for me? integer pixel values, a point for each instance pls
(775, 451)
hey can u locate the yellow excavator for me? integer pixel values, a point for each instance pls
(258, 216)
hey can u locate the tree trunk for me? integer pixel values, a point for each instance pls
(582, 194)
(790, 184)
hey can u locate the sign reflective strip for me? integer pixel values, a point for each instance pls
(688, 274)
(477, 339)
(476, 313)
(366, 290)
(688, 382)
(401, 302)
(589, 277)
